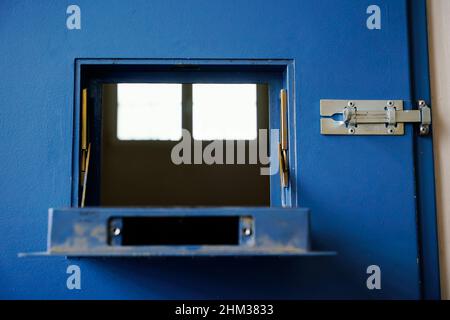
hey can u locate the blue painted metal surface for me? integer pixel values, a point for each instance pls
(86, 232)
(361, 190)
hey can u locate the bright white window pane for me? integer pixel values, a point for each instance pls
(224, 112)
(149, 111)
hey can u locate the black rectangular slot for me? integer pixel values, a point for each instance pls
(147, 231)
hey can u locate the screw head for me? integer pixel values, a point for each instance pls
(422, 103)
(116, 231)
(351, 104)
(424, 130)
(247, 231)
(351, 130)
(390, 103)
(390, 130)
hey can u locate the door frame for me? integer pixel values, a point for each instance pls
(277, 73)
(424, 160)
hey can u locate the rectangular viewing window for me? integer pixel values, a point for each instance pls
(140, 129)
(149, 111)
(148, 231)
(224, 111)
(177, 136)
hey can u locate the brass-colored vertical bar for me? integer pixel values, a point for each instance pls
(83, 194)
(283, 153)
(83, 132)
(84, 120)
(283, 119)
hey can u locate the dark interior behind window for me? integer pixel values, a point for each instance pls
(141, 173)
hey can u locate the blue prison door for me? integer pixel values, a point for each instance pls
(371, 197)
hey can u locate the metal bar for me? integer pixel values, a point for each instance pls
(83, 131)
(371, 117)
(283, 118)
(84, 120)
(283, 154)
(83, 196)
(409, 116)
(403, 116)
